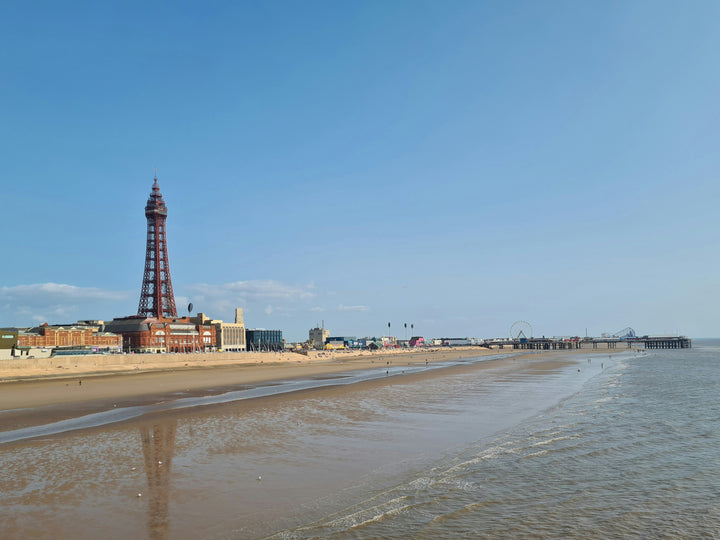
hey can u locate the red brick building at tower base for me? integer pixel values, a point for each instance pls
(154, 335)
(57, 336)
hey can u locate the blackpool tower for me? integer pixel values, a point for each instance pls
(156, 296)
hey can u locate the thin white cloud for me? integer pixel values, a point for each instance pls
(251, 290)
(352, 308)
(255, 296)
(57, 292)
(58, 303)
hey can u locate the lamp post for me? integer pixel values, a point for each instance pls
(388, 333)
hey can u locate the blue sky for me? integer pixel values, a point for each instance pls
(454, 165)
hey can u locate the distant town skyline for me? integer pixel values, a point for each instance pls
(455, 166)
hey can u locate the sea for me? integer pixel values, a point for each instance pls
(622, 445)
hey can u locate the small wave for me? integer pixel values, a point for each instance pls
(553, 440)
(464, 510)
(536, 454)
(354, 520)
(421, 482)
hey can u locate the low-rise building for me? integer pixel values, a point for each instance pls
(340, 342)
(93, 338)
(229, 337)
(8, 342)
(259, 339)
(8, 338)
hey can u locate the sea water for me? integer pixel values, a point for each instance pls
(593, 448)
(634, 453)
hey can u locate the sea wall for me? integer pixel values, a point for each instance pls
(101, 361)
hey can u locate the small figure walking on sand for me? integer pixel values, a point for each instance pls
(79, 382)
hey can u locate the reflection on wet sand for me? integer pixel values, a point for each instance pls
(158, 448)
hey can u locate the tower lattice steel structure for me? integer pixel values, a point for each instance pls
(156, 297)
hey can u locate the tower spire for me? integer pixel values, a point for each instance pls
(156, 296)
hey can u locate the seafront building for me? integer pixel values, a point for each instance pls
(259, 339)
(342, 342)
(154, 335)
(229, 337)
(46, 339)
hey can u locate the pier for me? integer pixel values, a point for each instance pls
(554, 344)
(678, 342)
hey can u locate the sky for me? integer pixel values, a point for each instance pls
(454, 166)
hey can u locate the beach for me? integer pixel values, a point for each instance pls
(248, 468)
(39, 383)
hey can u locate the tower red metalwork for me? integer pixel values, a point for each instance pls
(156, 297)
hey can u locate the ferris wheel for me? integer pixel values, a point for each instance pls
(521, 330)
